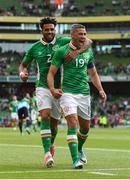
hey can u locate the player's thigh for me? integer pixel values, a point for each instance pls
(56, 109)
(84, 107)
(68, 104)
(44, 98)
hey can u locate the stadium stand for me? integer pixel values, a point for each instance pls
(69, 8)
(107, 23)
(10, 60)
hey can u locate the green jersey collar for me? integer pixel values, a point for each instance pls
(72, 46)
(45, 43)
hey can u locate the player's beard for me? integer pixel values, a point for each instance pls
(81, 44)
(49, 38)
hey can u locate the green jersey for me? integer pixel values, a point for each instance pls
(13, 105)
(75, 77)
(42, 53)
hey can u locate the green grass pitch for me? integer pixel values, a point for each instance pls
(108, 152)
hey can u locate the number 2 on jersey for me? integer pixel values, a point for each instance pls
(49, 58)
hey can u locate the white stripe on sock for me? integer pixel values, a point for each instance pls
(84, 135)
(71, 137)
(45, 131)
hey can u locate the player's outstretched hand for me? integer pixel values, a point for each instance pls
(103, 96)
(73, 54)
(70, 56)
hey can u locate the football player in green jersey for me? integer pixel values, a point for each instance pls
(42, 52)
(13, 109)
(75, 94)
(34, 111)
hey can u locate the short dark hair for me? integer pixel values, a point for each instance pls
(77, 26)
(47, 20)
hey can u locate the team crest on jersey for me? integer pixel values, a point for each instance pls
(85, 55)
(55, 48)
(39, 53)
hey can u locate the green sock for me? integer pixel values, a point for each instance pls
(34, 127)
(81, 139)
(46, 135)
(53, 135)
(72, 143)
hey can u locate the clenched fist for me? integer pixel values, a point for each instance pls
(24, 75)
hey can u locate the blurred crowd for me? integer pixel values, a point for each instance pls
(9, 63)
(10, 60)
(110, 69)
(67, 8)
(116, 112)
(97, 8)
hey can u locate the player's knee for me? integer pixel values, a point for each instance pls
(84, 127)
(84, 130)
(72, 121)
(45, 114)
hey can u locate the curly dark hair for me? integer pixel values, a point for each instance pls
(47, 20)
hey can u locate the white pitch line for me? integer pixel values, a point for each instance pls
(109, 150)
(101, 173)
(114, 169)
(65, 170)
(61, 147)
(21, 145)
(42, 171)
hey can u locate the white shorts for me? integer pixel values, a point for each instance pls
(45, 100)
(14, 115)
(76, 104)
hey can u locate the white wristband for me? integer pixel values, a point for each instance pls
(52, 88)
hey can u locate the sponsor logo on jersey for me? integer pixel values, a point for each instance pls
(55, 48)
